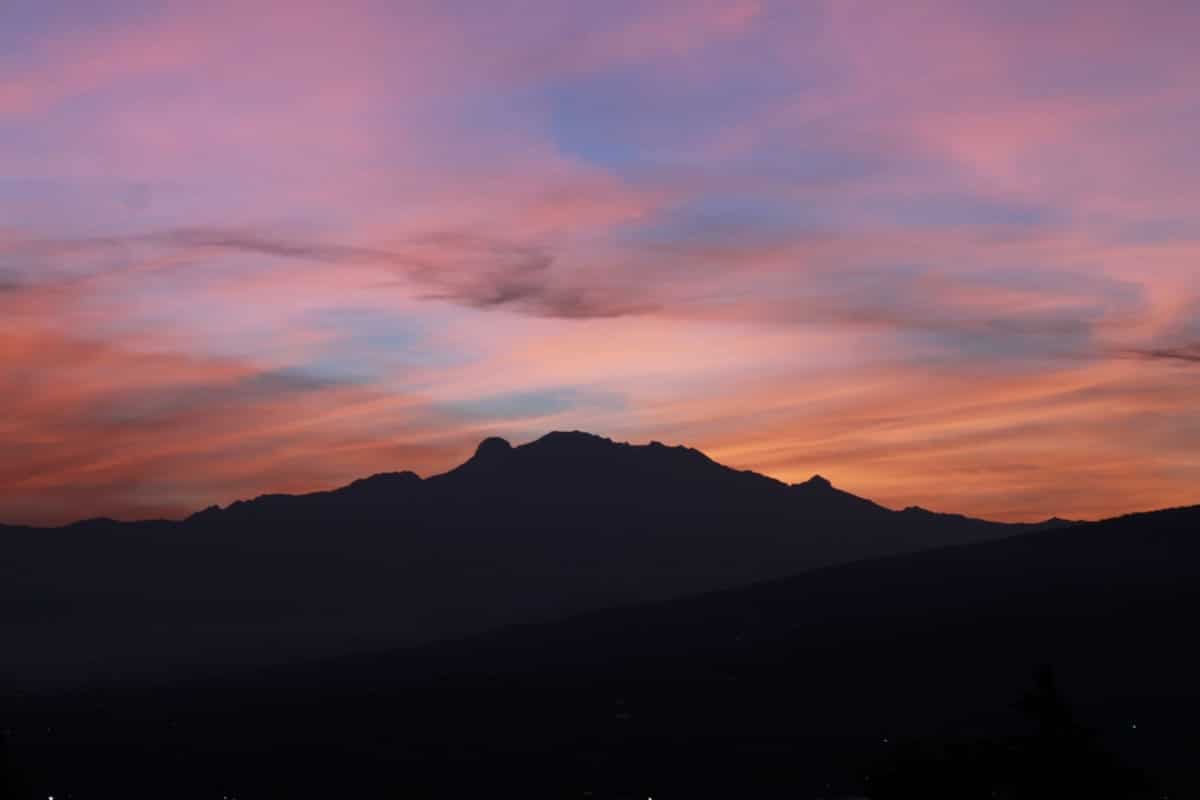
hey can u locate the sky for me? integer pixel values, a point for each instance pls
(943, 253)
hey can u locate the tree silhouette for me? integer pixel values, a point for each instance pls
(1063, 757)
(1060, 758)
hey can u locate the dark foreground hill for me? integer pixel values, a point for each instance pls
(565, 524)
(908, 676)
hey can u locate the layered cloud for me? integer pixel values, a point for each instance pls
(944, 253)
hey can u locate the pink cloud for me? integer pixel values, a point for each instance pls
(389, 161)
(93, 428)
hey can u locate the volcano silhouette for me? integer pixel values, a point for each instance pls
(567, 523)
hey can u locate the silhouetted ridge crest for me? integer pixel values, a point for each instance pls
(381, 495)
(570, 444)
(492, 448)
(818, 482)
(407, 476)
(489, 455)
(651, 471)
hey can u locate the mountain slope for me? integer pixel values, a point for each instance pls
(567, 523)
(809, 686)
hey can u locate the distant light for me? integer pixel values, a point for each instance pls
(1133, 725)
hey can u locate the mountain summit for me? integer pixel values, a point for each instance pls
(492, 448)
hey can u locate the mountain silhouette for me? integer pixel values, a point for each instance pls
(568, 523)
(899, 676)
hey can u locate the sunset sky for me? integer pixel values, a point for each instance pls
(945, 254)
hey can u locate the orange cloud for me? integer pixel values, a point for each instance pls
(96, 428)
